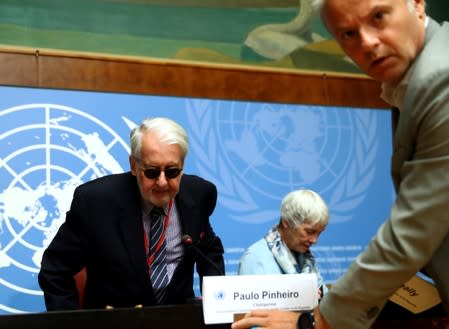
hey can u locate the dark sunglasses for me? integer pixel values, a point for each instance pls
(153, 173)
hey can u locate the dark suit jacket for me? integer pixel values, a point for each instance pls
(103, 232)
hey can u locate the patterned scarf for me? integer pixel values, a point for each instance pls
(289, 262)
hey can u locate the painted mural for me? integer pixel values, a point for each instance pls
(284, 33)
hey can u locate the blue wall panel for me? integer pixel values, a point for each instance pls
(53, 140)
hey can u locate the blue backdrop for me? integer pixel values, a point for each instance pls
(255, 153)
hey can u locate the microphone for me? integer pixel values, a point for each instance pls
(187, 241)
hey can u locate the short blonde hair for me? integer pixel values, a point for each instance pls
(318, 5)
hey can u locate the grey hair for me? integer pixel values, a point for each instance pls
(318, 5)
(167, 130)
(304, 206)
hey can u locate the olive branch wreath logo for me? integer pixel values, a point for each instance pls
(349, 191)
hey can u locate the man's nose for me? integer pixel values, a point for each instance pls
(313, 238)
(369, 39)
(162, 180)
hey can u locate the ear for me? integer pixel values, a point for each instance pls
(285, 224)
(420, 8)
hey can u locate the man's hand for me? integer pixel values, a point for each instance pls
(268, 319)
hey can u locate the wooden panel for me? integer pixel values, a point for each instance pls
(350, 91)
(175, 79)
(18, 68)
(93, 72)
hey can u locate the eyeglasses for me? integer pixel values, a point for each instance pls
(153, 173)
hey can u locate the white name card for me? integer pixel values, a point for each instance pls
(416, 295)
(224, 296)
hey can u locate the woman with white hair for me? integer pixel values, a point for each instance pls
(285, 249)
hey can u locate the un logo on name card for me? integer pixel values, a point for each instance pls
(46, 150)
(258, 152)
(219, 295)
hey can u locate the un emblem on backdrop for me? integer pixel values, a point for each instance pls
(256, 153)
(46, 150)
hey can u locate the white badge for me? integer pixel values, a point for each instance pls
(224, 296)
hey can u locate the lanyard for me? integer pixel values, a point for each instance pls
(159, 243)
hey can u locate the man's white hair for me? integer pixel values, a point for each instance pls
(318, 5)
